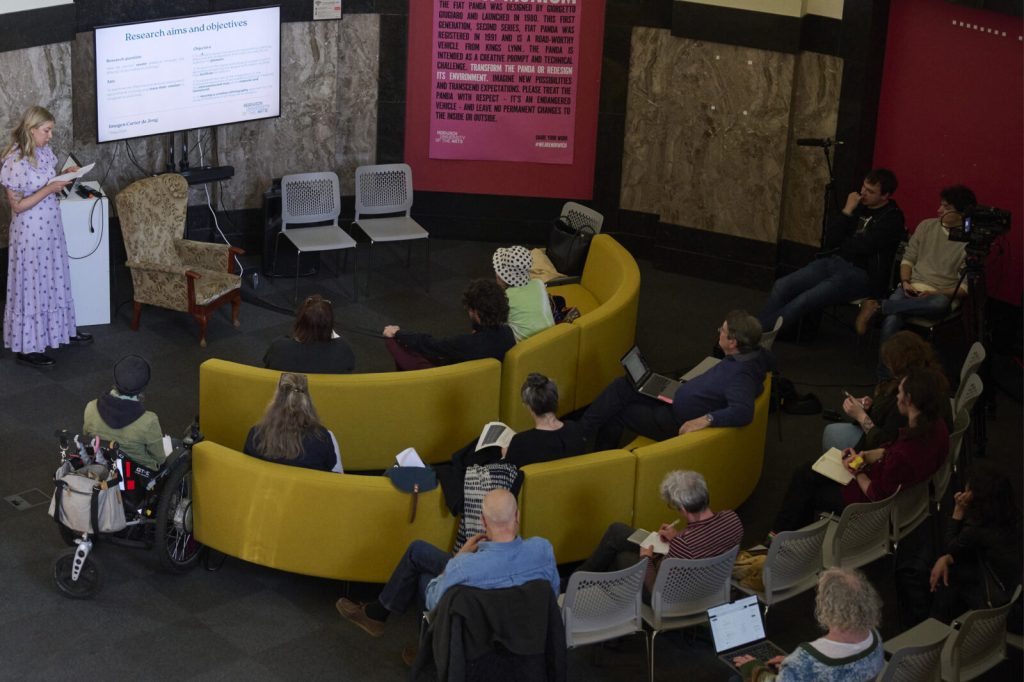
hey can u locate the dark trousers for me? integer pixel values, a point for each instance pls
(406, 359)
(421, 563)
(614, 552)
(620, 407)
(808, 492)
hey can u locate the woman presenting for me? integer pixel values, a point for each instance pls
(39, 312)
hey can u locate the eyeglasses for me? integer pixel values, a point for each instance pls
(315, 298)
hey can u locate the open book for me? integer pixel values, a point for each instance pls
(653, 540)
(831, 466)
(494, 433)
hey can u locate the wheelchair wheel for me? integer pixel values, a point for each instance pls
(175, 544)
(89, 578)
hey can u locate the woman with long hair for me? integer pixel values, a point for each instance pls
(40, 313)
(312, 347)
(981, 560)
(290, 431)
(876, 419)
(911, 458)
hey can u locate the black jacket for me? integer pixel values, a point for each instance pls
(484, 342)
(868, 239)
(514, 633)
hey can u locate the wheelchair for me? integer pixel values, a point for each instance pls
(157, 510)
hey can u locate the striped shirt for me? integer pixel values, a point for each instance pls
(701, 540)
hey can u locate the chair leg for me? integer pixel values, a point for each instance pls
(201, 319)
(295, 297)
(369, 267)
(654, 634)
(136, 314)
(236, 305)
(427, 244)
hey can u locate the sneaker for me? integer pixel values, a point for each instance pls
(409, 652)
(867, 311)
(356, 613)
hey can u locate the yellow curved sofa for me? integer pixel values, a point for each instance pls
(607, 296)
(374, 416)
(339, 526)
(730, 459)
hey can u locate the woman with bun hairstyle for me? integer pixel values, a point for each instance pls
(290, 431)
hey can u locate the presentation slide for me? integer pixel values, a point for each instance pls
(192, 72)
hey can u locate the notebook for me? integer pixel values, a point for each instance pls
(738, 630)
(644, 380)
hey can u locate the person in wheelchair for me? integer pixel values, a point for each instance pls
(121, 416)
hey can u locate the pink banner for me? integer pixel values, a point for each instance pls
(504, 80)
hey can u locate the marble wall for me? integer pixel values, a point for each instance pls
(710, 132)
(328, 113)
(815, 112)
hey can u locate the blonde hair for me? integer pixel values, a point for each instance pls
(21, 138)
(289, 417)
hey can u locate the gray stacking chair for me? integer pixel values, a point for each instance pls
(967, 395)
(597, 607)
(308, 198)
(941, 478)
(578, 215)
(768, 338)
(684, 590)
(792, 565)
(978, 644)
(386, 189)
(909, 510)
(916, 653)
(861, 534)
(972, 363)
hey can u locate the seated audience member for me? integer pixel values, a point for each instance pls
(312, 347)
(491, 337)
(529, 309)
(120, 415)
(981, 565)
(929, 271)
(496, 559)
(849, 609)
(722, 396)
(860, 243)
(706, 534)
(878, 417)
(290, 431)
(912, 458)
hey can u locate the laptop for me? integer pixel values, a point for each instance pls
(645, 381)
(738, 630)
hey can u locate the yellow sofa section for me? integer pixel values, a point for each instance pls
(373, 416)
(608, 295)
(339, 526)
(572, 501)
(554, 353)
(730, 459)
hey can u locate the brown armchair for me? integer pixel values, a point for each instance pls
(167, 270)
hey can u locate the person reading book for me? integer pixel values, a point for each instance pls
(916, 454)
(706, 534)
(549, 439)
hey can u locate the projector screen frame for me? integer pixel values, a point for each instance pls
(202, 124)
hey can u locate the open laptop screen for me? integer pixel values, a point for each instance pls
(634, 364)
(736, 624)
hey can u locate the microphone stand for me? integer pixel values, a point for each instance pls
(828, 198)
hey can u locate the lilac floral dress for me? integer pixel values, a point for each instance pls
(40, 312)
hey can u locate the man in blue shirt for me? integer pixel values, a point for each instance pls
(495, 559)
(722, 396)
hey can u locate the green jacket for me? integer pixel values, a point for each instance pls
(142, 440)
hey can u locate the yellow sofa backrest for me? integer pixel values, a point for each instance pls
(339, 526)
(373, 416)
(572, 501)
(554, 353)
(608, 296)
(730, 458)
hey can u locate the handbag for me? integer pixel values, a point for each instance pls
(568, 247)
(412, 480)
(87, 500)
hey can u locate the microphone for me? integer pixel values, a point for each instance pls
(817, 142)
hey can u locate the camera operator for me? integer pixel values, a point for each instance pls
(930, 269)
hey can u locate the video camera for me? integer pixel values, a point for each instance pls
(981, 224)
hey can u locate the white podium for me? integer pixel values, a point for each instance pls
(86, 231)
